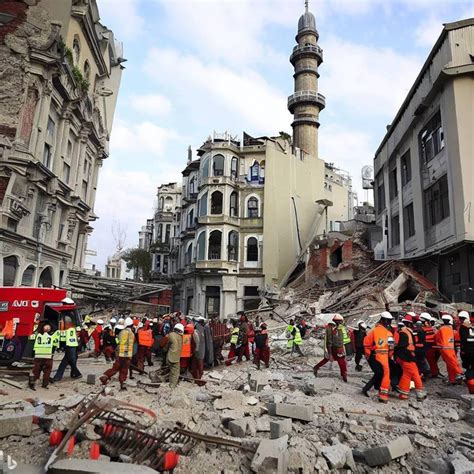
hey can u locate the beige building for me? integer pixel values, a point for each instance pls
(60, 75)
(424, 168)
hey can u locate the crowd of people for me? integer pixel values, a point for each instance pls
(405, 352)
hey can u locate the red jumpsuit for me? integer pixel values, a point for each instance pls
(444, 341)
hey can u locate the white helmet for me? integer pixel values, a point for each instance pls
(411, 313)
(362, 324)
(113, 321)
(140, 325)
(119, 327)
(100, 321)
(179, 328)
(448, 318)
(463, 314)
(128, 322)
(121, 321)
(425, 317)
(386, 315)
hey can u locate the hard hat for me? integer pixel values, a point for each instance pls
(362, 324)
(121, 321)
(263, 326)
(140, 325)
(179, 328)
(119, 327)
(448, 318)
(128, 322)
(425, 317)
(107, 326)
(189, 329)
(463, 315)
(332, 322)
(408, 318)
(100, 321)
(386, 315)
(113, 321)
(337, 317)
(411, 313)
(400, 323)
(67, 301)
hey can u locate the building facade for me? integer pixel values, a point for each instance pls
(424, 169)
(61, 71)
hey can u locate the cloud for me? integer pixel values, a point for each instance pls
(151, 104)
(428, 32)
(123, 17)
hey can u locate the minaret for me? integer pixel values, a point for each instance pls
(306, 103)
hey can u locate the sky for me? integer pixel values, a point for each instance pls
(198, 66)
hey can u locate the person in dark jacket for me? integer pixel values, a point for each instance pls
(359, 335)
(262, 349)
(420, 349)
(466, 336)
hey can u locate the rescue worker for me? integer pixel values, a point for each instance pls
(378, 345)
(244, 338)
(125, 354)
(432, 354)
(405, 356)
(109, 343)
(145, 343)
(186, 349)
(173, 350)
(294, 338)
(44, 347)
(198, 348)
(420, 349)
(359, 336)
(119, 326)
(334, 344)
(70, 352)
(444, 341)
(234, 343)
(97, 337)
(466, 335)
(262, 348)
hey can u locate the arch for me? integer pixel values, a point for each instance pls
(255, 172)
(10, 269)
(191, 218)
(168, 204)
(188, 256)
(76, 50)
(234, 204)
(192, 186)
(234, 167)
(203, 204)
(216, 202)
(28, 275)
(162, 203)
(205, 168)
(46, 278)
(253, 206)
(201, 246)
(233, 246)
(215, 244)
(252, 249)
(218, 165)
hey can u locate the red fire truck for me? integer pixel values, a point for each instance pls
(22, 309)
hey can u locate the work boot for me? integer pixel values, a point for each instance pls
(365, 391)
(45, 385)
(344, 378)
(104, 379)
(123, 388)
(31, 382)
(315, 371)
(359, 368)
(150, 364)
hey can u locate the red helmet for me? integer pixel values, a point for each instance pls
(189, 328)
(408, 318)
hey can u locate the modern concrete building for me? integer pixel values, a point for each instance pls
(424, 168)
(60, 71)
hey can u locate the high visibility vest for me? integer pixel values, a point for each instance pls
(44, 344)
(411, 345)
(125, 343)
(234, 337)
(186, 348)
(71, 337)
(444, 338)
(298, 340)
(430, 333)
(145, 337)
(470, 336)
(346, 339)
(378, 341)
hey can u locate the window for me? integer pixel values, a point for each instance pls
(191, 218)
(213, 301)
(46, 278)
(87, 71)
(255, 172)
(188, 257)
(10, 267)
(233, 204)
(201, 246)
(203, 205)
(251, 298)
(47, 155)
(380, 193)
(408, 221)
(216, 202)
(192, 187)
(27, 278)
(50, 128)
(84, 189)
(168, 204)
(167, 233)
(66, 173)
(405, 168)
(189, 300)
(159, 232)
(432, 138)
(158, 263)
(218, 166)
(252, 207)
(76, 51)
(165, 264)
(233, 248)
(393, 183)
(395, 231)
(215, 239)
(437, 202)
(252, 249)
(205, 168)
(162, 203)
(234, 167)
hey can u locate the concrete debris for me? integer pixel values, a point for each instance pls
(16, 424)
(280, 428)
(381, 455)
(68, 402)
(241, 427)
(263, 424)
(287, 410)
(91, 379)
(461, 464)
(82, 466)
(258, 381)
(229, 400)
(271, 456)
(339, 456)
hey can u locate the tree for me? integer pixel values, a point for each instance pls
(138, 260)
(119, 234)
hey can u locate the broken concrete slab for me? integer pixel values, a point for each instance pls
(339, 456)
(258, 381)
(271, 456)
(82, 466)
(68, 402)
(384, 454)
(91, 378)
(263, 424)
(238, 428)
(229, 400)
(280, 428)
(288, 410)
(461, 464)
(16, 424)
(316, 385)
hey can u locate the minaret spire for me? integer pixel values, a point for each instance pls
(306, 5)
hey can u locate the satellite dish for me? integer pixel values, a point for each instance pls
(368, 177)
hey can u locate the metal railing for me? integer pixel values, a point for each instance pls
(315, 49)
(307, 96)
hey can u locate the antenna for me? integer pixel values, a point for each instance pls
(306, 6)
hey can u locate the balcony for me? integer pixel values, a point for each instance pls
(216, 180)
(306, 51)
(189, 199)
(306, 97)
(218, 219)
(160, 247)
(217, 265)
(251, 223)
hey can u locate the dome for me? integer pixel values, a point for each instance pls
(307, 22)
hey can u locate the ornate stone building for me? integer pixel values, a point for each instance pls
(60, 75)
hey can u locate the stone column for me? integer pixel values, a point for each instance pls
(43, 119)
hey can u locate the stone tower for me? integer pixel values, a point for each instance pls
(306, 103)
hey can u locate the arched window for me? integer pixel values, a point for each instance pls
(216, 202)
(191, 218)
(215, 240)
(87, 71)
(27, 278)
(162, 203)
(205, 168)
(168, 204)
(46, 278)
(10, 267)
(252, 207)
(189, 254)
(255, 172)
(233, 205)
(218, 166)
(192, 187)
(76, 51)
(201, 246)
(203, 205)
(234, 167)
(252, 249)
(233, 247)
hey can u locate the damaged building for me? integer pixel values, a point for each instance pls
(424, 169)
(61, 71)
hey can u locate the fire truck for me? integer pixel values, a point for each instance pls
(22, 309)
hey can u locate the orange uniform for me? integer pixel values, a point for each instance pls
(444, 341)
(377, 345)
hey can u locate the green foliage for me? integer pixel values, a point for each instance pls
(66, 53)
(140, 261)
(81, 81)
